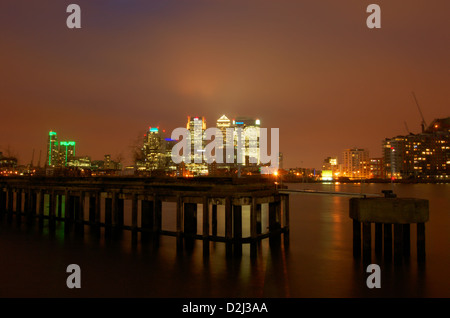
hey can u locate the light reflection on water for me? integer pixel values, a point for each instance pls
(317, 263)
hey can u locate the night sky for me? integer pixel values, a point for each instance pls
(310, 68)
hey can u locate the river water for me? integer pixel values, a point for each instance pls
(318, 263)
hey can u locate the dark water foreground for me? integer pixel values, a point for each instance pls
(318, 263)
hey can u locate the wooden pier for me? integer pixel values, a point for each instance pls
(392, 218)
(99, 202)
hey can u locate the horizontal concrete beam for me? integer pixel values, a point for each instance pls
(389, 210)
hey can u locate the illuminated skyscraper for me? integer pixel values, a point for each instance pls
(154, 149)
(196, 127)
(66, 152)
(247, 133)
(224, 124)
(52, 149)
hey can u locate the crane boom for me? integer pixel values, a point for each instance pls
(424, 124)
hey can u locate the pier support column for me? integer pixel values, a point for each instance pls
(134, 219)
(286, 220)
(30, 208)
(214, 219)
(68, 211)
(179, 224)
(59, 209)
(3, 202)
(237, 231)
(190, 224)
(378, 239)
(41, 208)
(79, 214)
(356, 238)
(253, 228)
(157, 221)
(27, 204)
(367, 241)
(95, 212)
(52, 210)
(108, 215)
(274, 223)
(406, 240)
(398, 242)
(10, 204)
(421, 241)
(19, 206)
(117, 214)
(205, 226)
(147, 219)
(258, 219)
(228, 226)
(387, 233)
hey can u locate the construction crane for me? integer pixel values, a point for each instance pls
(423, 124)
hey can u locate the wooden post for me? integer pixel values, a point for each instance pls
(157, 215)
(228, 226)
(253, 228)
(421, 242)
(179, 218)
(19, 205)
(26, 204)
(214, 219)
(134, 218)
(146, 219)
(92, 208)
(41, 208)
(387, 241)
(274, 225)
(356, 238)
(190, 224)
(367, 240)
(258, 219)
(3, 202)
(157, 220)
(80, 215)
(286, 220)
(95, 212)
(59, 209)
(68, 211)
(237, 232)
(205, 225)
(108, 215)
(52, 210)
(378, 239)
(406, 240)
(398, 242)
(31, 213)
(10, 204)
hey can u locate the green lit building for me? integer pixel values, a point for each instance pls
(59, 153)
(52, 149)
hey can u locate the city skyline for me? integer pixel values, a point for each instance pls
(313, 70)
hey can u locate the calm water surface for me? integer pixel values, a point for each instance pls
(317, 263)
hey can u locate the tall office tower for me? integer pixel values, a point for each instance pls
(355, 163)
(52, 149)
(153, 149)
(247, 133)
(224, 124)
(196, 127)
(66, 152)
